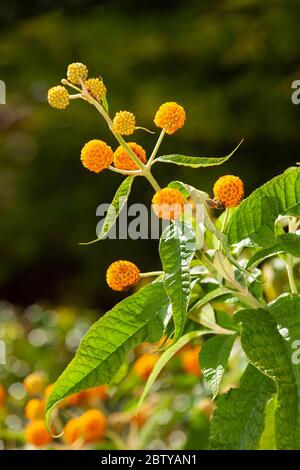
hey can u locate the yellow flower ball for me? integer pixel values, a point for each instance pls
(35, 409)
(47, 392)
(229, 190)
(168, 203)
(124, 123)
(190, 361)
(58, 97)
(97, 393)
(121, 275)
(96, 88)
(77, 71)
(37, 434)
(93, 424)
(144, 365)
(73, 430)
(34, 383)
(123, 161)
(2, 395)
(96, 155)
(170, 116)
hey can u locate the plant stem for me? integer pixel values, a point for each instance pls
(293, 225)
(206, 261)
(125, 172)
(290, 273)
(145, 171)
(75, 97)
(151, 274)
(157, 145)
(224, 224)
(249, 300)
(219, 330)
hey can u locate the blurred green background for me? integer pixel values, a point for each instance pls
(229, 63)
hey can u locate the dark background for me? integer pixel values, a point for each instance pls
(229, 63)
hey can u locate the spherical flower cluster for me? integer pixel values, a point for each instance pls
(35, 409)
(124, 123)
(58, 97)
(47, 392)
(121, 275)
(144, 365)
(93, 425)
(168, 203)
(90, 427)
(72, 430)
(170, 116)
(37, 434)
(123, 161)
(2, 395)
(229, 190)
(96, 155)
(77, 71)
(34, 383)
(190, 361)
(96, 88)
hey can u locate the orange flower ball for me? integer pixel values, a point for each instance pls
(170, 116)
(37, 434)
(93, 425)
(190, 361)
(168, 203)
(143, 366)
(123, 161)
(96, 155)
(2, 395)
(35, 409)
(34, 383)
(121, 275)
(73, 430)
(229, 190)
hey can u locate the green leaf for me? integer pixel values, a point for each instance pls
(214, 294)
(117, 204)
(267, 440)
(238, 421)
(214, 356)
(225, 320)
(177, 248)
(165, 357)
(270, 338)
(105, 103)
(256, 216)
(180, 186)
(103, 349)
(289, 243)
(195, 162)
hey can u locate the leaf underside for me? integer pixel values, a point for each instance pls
(195, 162)
(113, 212)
